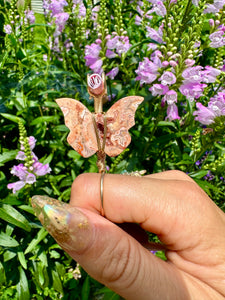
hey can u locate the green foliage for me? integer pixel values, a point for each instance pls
(33, 74)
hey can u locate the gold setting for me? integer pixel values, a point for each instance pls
(101, 193)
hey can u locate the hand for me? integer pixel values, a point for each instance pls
(169, 204)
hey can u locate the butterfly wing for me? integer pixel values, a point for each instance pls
(78, 119)
(120, 118)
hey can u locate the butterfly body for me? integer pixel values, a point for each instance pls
(118, 119)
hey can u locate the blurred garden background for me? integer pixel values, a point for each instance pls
(170, 52)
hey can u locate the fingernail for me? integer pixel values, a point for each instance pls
(68, 225)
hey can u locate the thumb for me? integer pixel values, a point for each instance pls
(108, 253)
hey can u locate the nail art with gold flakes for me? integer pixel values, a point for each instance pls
(68, 225)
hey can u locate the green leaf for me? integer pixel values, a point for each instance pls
(12, 118)
(85, 292)
(22, 286)
(198, 174)
(74, 155)
(108, 294)
(43, 119)
(48, 159)
(50, 104)
(62, 128)
(207, 187)
(166, 124)
(22, 259)
(2, 272)
(57, 284)
(13, 216)
(8, 255)
(43, 257)
(40, 236)
(7, 156)
(27, 208)
(7, 241)
(54, 254)
(41, 274)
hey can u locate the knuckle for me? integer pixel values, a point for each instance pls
(180, 175)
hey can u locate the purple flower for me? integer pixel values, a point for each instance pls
(138, 20)
(192, 90)
(78, 5)
(32, 142)
(155, 35)
(217, 39)
(29, 14)
(110, 54)
(152, 46)
(110, 97)
(195, 2)
(216, 108)
(120, 44)
(203, 114)
(189, 62)
(39, 169)
(156, 58)
(165, 63)
(198, 163)
(159, 8)
(97, 66)
(209, 176)
(210, 74)
(167, 78)
(19, 171)
(16, 186)
(60, 22)
(57, 6)
(21, 155)
(211, 22)
(215, 7)
(93, 61)
(139, 10)
(112, 74)
(159, 89)
(7, 29)
(192, 74)
(92, 53)
(172, 112)
(25, 178)
(112, 42)
(123, 45)
(170, 97)
(30, 178)
(27, 175)
(147, 71)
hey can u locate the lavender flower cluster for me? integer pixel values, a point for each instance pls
(27, 174)
(28, 19)
(161, 69)
(116, 46)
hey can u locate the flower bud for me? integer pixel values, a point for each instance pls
(95, 84)
(211, 22)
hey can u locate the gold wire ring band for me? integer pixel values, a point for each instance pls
(101, 192)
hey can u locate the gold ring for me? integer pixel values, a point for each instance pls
(101, 193)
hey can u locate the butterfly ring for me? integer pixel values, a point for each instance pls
(101, 193)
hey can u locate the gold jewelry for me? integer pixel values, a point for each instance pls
(101, 193)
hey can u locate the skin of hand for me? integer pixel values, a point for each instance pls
(169, 204)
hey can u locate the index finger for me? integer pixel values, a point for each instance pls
(155, 203)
